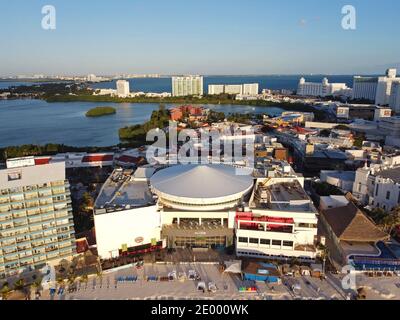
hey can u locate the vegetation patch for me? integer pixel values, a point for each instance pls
(101, 111)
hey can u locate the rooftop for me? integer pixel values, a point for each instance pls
(283, 195)
(122, 192)
(393, 174)
(201, 182)
(350, 224)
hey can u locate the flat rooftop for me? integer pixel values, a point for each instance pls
(122, 192)
(288, 196)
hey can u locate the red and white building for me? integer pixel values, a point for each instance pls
(280, 222)
(78, 160)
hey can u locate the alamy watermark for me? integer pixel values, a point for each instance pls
(49, 18)
(349, 20)
(203, 146)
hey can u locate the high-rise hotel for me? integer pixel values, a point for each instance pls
(187, 86)
(36, 223)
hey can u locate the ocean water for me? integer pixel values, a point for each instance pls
(266, 82)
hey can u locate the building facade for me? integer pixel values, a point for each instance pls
(187, 86)
(280, 223)
(323, 89)
(365, 88)
(394, 100)
(246, 89)
(123, 88)
(384, 88)
(36, 223)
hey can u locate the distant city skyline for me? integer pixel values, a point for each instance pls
(227, 37)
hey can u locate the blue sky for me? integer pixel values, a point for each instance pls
(199, 36)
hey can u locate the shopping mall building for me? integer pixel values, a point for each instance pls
(206, 206)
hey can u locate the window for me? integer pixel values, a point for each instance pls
(12, 176)
(276, 242)
(377, 190)
(243, 240)
(265, 241)
(253, 240)
(388, 195)
(287, 243)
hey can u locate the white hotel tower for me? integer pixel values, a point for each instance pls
(322, 89)
(187, 86)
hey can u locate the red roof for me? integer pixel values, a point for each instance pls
(98, 158)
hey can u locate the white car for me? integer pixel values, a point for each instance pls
(193, 275)
(201, 286)
(212, 287)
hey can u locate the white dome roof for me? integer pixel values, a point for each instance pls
(201, 184)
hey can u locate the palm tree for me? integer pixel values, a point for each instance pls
(324, 254)
(84, 279)
(391, 220)
(5, 291)
(19, 284)
(71, 279)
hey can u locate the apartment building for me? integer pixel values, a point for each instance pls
(36, 222)
(187, 86)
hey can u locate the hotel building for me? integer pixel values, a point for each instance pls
(187, 86)
(36, 223)
(323, 89)
(123, 88)
(247, 89)
(365, 88)
(384, 88)
(394, 100)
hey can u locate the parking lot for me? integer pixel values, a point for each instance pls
(228, 286)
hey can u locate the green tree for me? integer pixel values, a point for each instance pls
(19, 284)
(391, 220)
(5, 291)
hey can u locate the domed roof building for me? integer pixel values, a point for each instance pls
(209, 187)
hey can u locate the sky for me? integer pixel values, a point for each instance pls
(214, 37)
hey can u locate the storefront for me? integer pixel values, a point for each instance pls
(177, 237)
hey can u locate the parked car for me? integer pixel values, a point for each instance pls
(201, 286)
(193, 275)
(212, 287)
(172, 276)
(182, 276)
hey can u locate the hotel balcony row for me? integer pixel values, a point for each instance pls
(33, 188)
(13, 222)
(18, 236)
(21, 196)
(33, 260)
(36, 244)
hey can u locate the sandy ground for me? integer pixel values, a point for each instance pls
(106, 288)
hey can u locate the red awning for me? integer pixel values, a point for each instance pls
(42, 161)
(98, 158)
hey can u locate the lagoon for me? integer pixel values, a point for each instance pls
(29, 121)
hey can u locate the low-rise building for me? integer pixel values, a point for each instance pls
(350, 234)
(280, 223)
(343, 180)
(126, 218)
